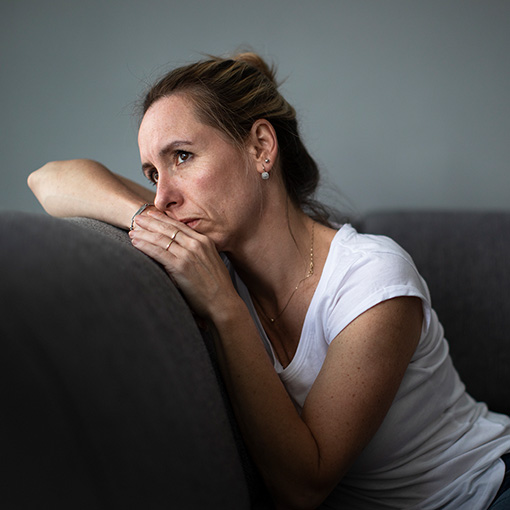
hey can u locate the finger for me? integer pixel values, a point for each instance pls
(159, 222)
(167, 234)
(179, 263)
(160, 242)
(172, 239)
(177, 255)
(146, 245)
(196, 268)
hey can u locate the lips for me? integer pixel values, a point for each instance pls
(191, 222)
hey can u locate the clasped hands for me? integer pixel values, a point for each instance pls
(190, 259)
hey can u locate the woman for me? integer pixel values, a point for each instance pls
(335, 362)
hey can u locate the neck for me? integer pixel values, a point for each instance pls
(275, 258)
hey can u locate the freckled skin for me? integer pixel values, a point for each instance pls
(214, 183)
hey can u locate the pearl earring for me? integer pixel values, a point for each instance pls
(265, 175)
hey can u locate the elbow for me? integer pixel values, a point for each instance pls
(305, 487)
(302, 502)
(32, 179)
(36, 178)
(54, 169)
(43, 181)
(303, 497)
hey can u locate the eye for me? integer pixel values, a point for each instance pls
(182, 157)
(153, 176)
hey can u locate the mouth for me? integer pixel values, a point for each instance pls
(191, 223)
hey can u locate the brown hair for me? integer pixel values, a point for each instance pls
(230, 94)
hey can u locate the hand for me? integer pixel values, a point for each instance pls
(190, 259)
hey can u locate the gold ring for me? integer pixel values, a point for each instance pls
(172, 239)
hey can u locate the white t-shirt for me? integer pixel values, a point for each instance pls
(437, 447)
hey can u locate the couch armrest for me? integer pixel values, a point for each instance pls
(108, 395)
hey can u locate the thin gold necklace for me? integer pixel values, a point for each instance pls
(308, 274)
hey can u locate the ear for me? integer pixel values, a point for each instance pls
(263, 145)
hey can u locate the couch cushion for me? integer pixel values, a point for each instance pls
(465, 259)
(108, 396)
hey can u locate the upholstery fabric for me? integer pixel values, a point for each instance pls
(464, 257)
(108, 396)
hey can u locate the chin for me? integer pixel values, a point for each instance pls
(220, 243)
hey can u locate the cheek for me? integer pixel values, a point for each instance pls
(225, 187)
(224, 184)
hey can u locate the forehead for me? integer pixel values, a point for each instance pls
(167, 117)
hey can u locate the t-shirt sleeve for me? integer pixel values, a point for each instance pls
(370, 279)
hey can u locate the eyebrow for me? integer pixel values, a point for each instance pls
(167, 149)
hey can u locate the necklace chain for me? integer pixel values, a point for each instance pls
(308, 274)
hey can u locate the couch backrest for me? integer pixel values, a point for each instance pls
(465, 259)
(108, 395)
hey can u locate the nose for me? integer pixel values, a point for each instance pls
(167, 194)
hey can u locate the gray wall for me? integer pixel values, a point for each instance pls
(405, 103)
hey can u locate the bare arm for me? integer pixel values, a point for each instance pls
(83, 187)
(302, 458)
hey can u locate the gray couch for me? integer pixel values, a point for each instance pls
(110, 396)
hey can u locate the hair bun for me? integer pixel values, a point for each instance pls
(258, 62)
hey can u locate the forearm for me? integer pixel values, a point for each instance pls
(281, 443)
(87, 188)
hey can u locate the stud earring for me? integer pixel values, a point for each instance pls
(265, 174)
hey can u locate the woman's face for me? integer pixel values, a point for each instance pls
(202, 179)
